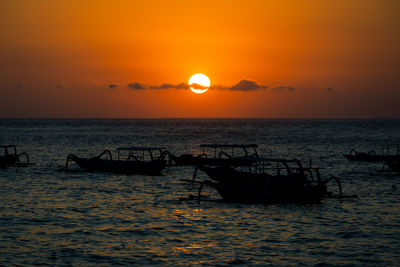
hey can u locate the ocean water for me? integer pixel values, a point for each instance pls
(48, 217)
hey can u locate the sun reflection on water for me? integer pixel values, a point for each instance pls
(86, 219)
(189, 214)
(192, 248)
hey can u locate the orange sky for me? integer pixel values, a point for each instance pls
(58, 58)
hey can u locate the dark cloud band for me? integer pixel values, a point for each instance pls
(283, 88)
(243, 85)
(141, 86)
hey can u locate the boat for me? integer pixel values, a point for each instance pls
(139, 160)
(393, 163)
(372, 156)
(221, 154)
(11, 157)
(267, 180)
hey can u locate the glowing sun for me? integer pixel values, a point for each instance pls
(199, 83)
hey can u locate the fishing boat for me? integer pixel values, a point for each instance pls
(267, 180)
(138, 160)
(393, 163)
(220, 154)
(372, 156)
(11, 157)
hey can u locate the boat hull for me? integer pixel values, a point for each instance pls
(235, 186)
(366, 157)
(185, 159)
(153, 167)
(9, 160)
(394, 164)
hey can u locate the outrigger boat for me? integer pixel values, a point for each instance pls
(372, 156)
(11, 157)
(393, 163)
(266, 180)
(140, 160)
(223, 154)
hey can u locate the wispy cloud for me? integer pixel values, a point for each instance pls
(198, 86)
(246, 85)
(283, 88)
(142, 86)
(329, 89)
(137, 86)
(242, 85)
(170, 86)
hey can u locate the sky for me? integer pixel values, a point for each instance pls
(265, 59)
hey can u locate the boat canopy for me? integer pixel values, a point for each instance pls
(140, 148)
(223, 147)
(7, 147)
(229, 145)
(134, 150)
(261, 164)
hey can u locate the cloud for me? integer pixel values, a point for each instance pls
(329, 89)
(283, 88)
(246, 85)
(198, 86)
(137, 86)
(59, 86)
(165, 86)
(141, 86)
(242, 85)
(19, 85)
(182, 86)
(112, 86)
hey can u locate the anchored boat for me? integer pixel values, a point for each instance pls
(394, 163)
(220, 154)
(11, 157)
(266, 180)
(139, 160)
(372, 156)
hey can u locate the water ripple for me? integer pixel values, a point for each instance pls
(56, 218)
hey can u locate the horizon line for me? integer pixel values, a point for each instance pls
(205, 118)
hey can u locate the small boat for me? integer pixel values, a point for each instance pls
(362, 156)
(11, 157)
(372, 156)
(223, 154)
(267, 180)
(394, 163)
(139, 160)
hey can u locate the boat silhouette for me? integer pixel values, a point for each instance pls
(372, 156)
(11, 157)
(139, 160)
(393, 163)
(267, 180)
(221, 154)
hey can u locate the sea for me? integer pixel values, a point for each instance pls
(58, 218)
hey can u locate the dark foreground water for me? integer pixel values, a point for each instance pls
(49, 217)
